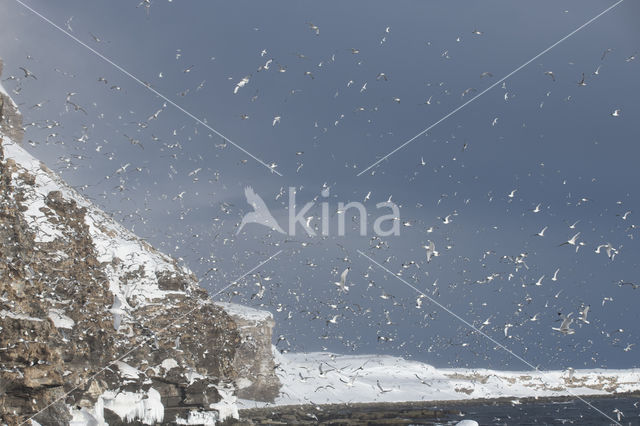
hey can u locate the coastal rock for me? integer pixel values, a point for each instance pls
(253, 360)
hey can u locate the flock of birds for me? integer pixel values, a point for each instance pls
(359, 295)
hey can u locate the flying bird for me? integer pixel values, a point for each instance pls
(581, 82)
(541, 233)
(610, 250)
(565, 327)
(583, 314)
(117, 309)
(342, 284)
(76, 107)
(624, 216)
(28, 73)
(333, 320)
(314, 28)
(447, 219)
(431, 251)
(241, 84)
(381, 388)
(633, 286)
(571, 241)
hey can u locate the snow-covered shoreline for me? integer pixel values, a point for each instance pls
(325, 378)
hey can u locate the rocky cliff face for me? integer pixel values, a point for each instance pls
(95, 324)
(253, 359)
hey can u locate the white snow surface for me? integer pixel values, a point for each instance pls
(18, 316)
(169, 363)
(322, 378)
(228, 405)
(127, 371)
(245, 312)
(145, 407)
(60, 320)
(206, 418)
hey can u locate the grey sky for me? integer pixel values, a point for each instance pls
(554, 141)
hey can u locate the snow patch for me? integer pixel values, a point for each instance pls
(169, 363)
(130, 406)
(4, 314)
(244, 312)
(192, 376)
(227, 407)
(206, 418)
(60, 320)
(127, 371)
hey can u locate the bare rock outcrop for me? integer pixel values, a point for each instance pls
(253, 359)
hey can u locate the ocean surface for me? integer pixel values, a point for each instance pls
(551, 413)
(556, 411)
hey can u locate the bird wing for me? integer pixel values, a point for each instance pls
(117, 319)
(343, 276)
(117, 303)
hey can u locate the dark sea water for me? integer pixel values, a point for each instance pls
(556, 411)
(573, 412)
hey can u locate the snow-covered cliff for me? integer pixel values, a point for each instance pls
(95, 324)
